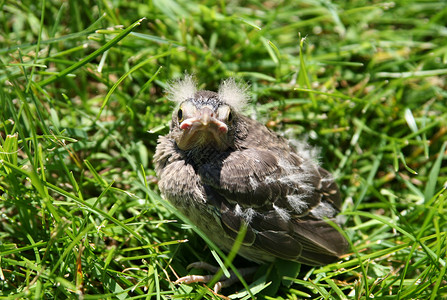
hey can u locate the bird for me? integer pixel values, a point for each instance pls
(223, 170)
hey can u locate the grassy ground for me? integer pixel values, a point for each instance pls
(82, 104)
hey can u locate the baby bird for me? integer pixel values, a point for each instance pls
(222, 169)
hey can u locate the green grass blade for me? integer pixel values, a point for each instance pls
(93, 55)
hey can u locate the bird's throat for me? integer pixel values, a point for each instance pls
(200, 140)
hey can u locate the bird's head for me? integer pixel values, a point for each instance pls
(205, 119)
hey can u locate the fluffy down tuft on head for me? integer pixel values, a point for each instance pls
(234, 93)
(181, 89)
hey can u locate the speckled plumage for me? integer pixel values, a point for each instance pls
(221, 168)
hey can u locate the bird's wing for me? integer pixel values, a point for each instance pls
(282, 198)
(259, 178)
(319, 242)
(242, 177)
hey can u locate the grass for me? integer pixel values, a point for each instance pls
(82, 105)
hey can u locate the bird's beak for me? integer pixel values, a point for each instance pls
(206, 115)
(202, 128)
(204, 120)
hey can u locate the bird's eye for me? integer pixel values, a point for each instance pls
(180, 115)
(230, 116)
